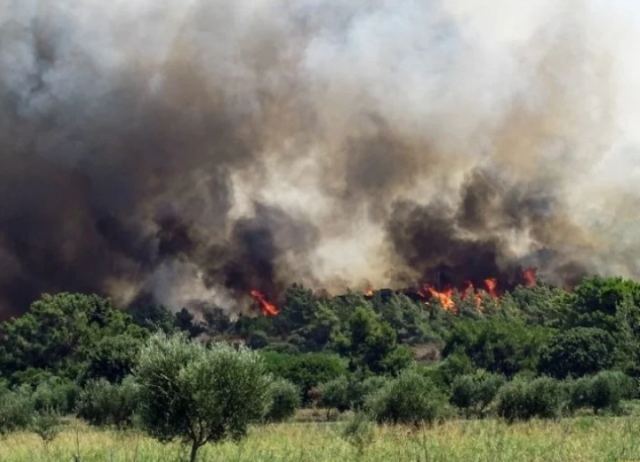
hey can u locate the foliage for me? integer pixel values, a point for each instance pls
(410, 398)
(105, 403)
(16, 408)
(576, 352)
(46, 424)
(285, 399)
(607, 389)
(336, 394)
(60, 333)
(55, 394)
(504, 346)
(199, 394)
(305, 370)
(474, 392)
(521, 399)
(371, 344)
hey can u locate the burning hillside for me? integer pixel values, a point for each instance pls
(183, 152)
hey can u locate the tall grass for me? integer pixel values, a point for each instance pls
(600, 439)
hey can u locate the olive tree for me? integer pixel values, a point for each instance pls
(199, 394)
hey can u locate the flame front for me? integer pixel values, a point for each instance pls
(445, 297)
(267, 308)
(530, 277)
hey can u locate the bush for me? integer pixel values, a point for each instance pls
(607, 389)
(579, 393)
(474, 392)
(56, 394)
(519, 399)
(362, 389)
(285, 399)
(604, 390)
(336, 394)
(105, 403)
(199, 394)
(16, 409)
(410, 398)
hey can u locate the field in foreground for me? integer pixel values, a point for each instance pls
(580, 439)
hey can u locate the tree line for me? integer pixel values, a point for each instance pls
(535, 352)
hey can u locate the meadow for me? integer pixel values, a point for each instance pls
(579, 439)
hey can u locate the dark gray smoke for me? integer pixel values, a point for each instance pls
(189, 151)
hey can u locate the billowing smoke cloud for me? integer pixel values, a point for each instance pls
(192, 150)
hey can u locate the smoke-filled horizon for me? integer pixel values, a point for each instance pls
(190, 151)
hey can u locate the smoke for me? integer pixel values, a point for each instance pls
(189, 151)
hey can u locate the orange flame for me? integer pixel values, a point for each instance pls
(445, 297)
(368, 293)
(267, 308)
(491, 284)
(530, 277)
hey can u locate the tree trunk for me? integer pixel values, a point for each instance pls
(194, 451)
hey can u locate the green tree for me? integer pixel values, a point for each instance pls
(503, 346)
(59, 334)
(371, 344)
(306, 370)
(576, 352)
(199, 394)
(596, 301)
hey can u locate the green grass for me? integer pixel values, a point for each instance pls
(580, 439)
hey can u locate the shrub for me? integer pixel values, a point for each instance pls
(362, 389)
(579, 393)
(285, 399)
(607, 389)
(410, 398)
(199, 394)
(522, 400)
(359, 432)
(105, 403)
(56, 394)
(474, 392)
(16, 409)
(336, 394)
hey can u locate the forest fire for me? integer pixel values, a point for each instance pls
(266, 307)
(530, 277)
(447, 296)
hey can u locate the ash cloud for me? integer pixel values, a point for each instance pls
(187, 151)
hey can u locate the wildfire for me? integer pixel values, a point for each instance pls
(267, 308)
(446, 295)
(530, 277)
(491, 285)
(368, 293)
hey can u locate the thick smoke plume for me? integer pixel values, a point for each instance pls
(190, 151)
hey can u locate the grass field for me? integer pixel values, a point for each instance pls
(598, 439)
